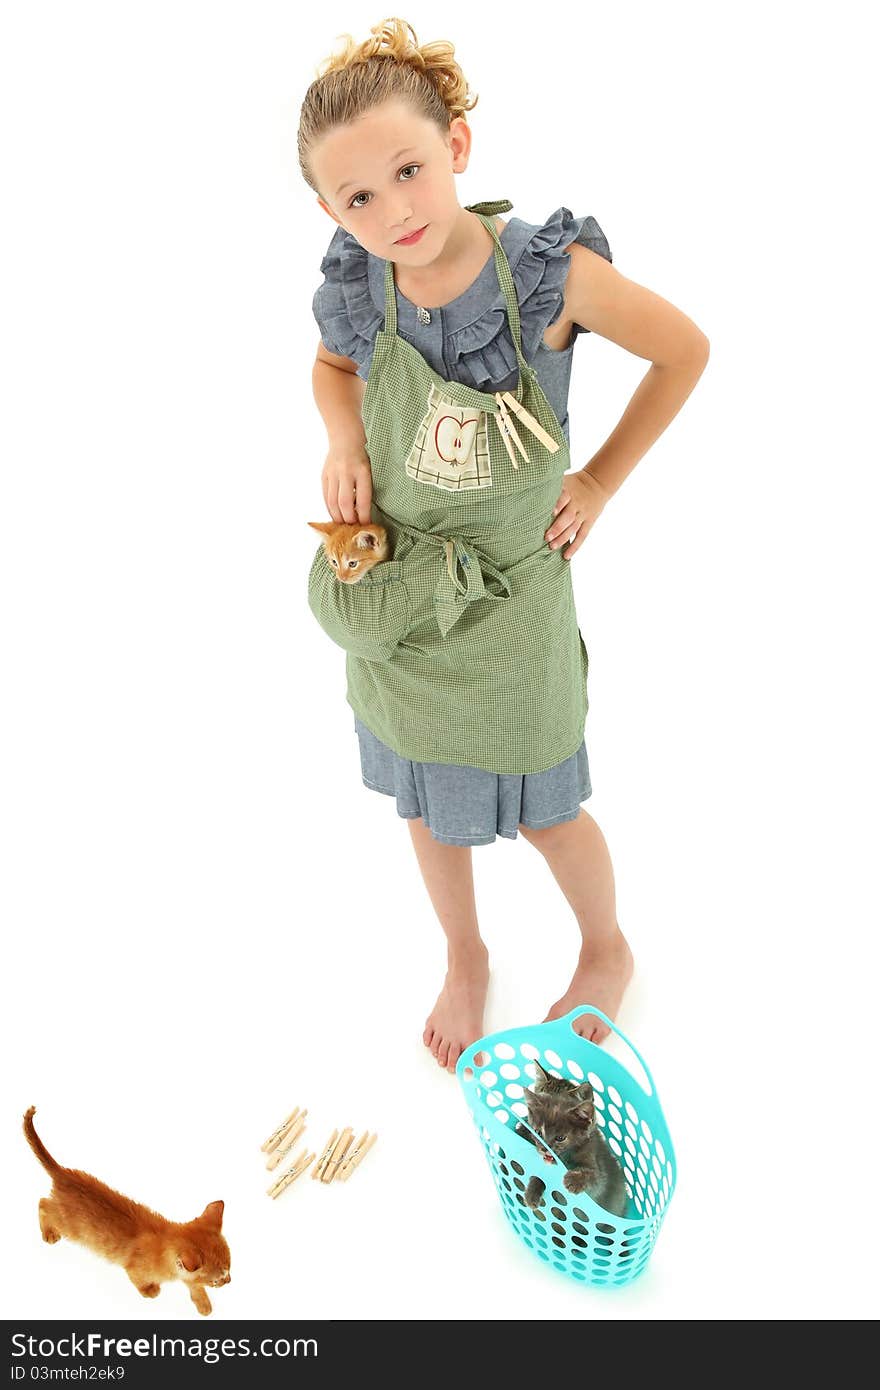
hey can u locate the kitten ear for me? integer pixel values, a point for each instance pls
(583, 1114)
(545, 1075)
(582, 1093)
(213, 1214)
(326, 527)
(190, 1261)
(367, 540)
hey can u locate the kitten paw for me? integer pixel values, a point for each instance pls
(50, 1236)
(534, 1194)
(149, 1290)
(575, 1182)
(203, 1304)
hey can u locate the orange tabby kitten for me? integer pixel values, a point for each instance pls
(352, 549)
(150, 1249)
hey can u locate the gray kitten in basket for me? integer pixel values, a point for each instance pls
(564, 1115)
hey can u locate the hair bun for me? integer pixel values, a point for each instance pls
(396, 39)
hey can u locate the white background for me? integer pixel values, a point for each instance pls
(208, 919)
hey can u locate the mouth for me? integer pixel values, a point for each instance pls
(547, 1156)
(413, 238)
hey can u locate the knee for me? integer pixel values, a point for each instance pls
(545, 839)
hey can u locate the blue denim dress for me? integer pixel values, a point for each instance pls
(468, 340)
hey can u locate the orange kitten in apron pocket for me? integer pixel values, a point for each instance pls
(352, 549)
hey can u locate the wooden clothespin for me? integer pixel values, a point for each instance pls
(336, 1157)
(511, 428)
(295, 1170)
(526, 418)
(290, 1137)
(502, 420)
(276, 1134)
(357, 1156)
(342, 1173)
(325, 1154)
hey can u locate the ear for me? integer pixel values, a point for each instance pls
(326, 527)
(545, 1075)
(584, 1114)
(329, 211)
(213, 1214)
(583, 1093)
(190, 1261)
(367, 540)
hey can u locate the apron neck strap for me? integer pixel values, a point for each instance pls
(486, 213)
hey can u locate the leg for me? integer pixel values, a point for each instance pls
(148, 1287)
(579, 861)
(534, 1194)
(48, 1221)
(200, 1299)
(457, 1018)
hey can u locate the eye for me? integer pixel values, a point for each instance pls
(334, 562)
(352, 564)
(354, 201)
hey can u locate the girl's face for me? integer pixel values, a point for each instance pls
(390, 173)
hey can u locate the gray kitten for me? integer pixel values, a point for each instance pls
(564, 1116)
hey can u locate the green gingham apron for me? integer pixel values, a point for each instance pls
(463, 647)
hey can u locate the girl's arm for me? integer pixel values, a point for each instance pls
(598, 297)
(346, 480)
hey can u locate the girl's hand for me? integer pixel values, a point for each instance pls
(347, 483)
(580, 502)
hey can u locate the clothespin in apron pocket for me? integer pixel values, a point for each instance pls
(509, 430)
(526, 418)
(505, 427)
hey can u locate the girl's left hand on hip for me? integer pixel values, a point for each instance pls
(580, 502)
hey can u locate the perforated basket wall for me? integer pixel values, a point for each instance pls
(570, 1232)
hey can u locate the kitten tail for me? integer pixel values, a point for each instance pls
(37, 1144)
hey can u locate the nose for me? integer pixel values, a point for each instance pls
(399, 220)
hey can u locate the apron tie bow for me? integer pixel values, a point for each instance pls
(462, 580)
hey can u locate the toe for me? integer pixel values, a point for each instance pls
(454, 1054)
(443, 1052)
(428, 1035)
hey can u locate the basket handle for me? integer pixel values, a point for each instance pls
(591, 1009)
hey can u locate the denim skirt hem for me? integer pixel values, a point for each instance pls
(467, 805)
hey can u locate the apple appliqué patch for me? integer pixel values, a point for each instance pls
(451, 447)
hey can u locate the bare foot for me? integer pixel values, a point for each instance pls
(457, 1018)
(602, 975)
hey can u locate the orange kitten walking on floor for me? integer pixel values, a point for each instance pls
(150, 1249)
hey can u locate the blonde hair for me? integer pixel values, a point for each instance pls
(390, 64)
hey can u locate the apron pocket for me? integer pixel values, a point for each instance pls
(451, 447)
(369, 618)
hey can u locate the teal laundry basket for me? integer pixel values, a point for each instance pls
(570, 1231)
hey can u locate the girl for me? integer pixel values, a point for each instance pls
(462, 325)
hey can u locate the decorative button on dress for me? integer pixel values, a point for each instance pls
(466, 669)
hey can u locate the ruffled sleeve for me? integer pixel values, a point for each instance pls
(483, 351)
(342, 305)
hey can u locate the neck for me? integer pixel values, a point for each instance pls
(467, 238)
